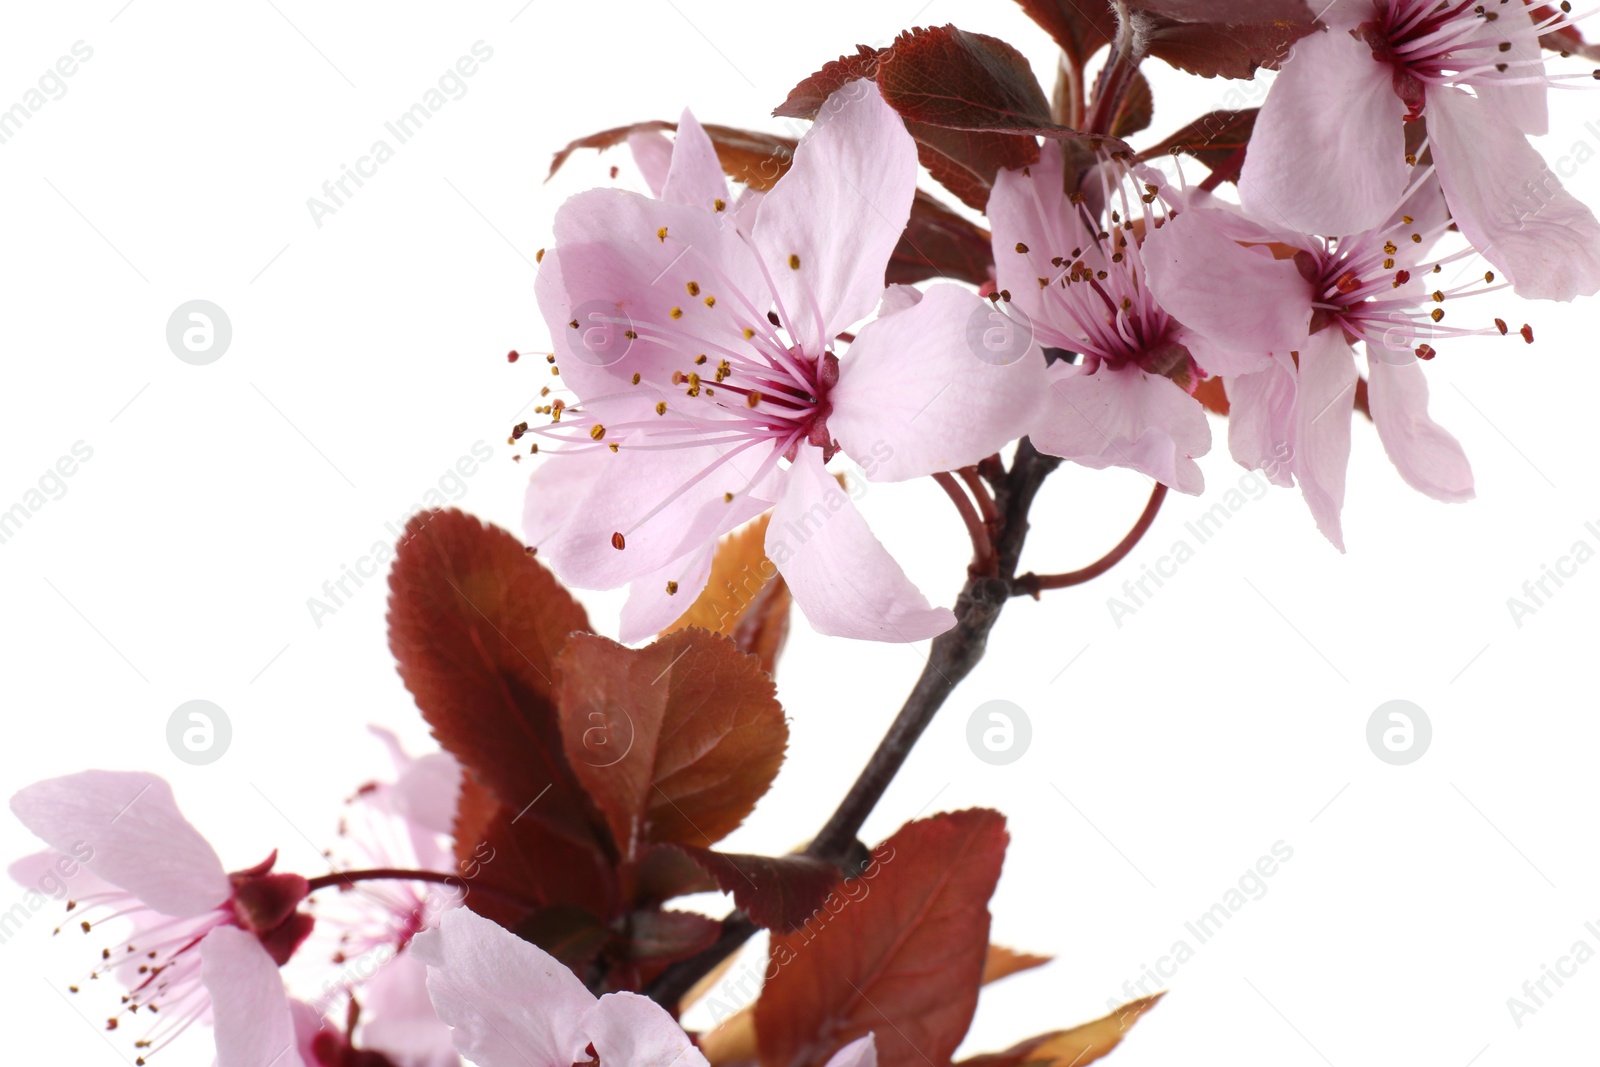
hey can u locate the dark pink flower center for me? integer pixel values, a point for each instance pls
(1457, 42)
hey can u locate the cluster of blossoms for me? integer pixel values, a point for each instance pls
(198, 944)
(709, 376)
(714, 351)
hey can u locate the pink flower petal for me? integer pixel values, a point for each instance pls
(626, 1028)
(1029, 210)
(1508, 203)
(1426, 455)
(696, 176)
(862, 1052)
(652, 154)
(57, 875)
(651, 609)
(307, 1025)
(1241, 298)
(397, 1018)
(826, 230)
(678, 277)
(1125, 418)
(1323, 409)
(632, 483)
(1346, 14)
(556, 492)
(746, 205)
(1328, 152)
(842, 578)
(141, 841)
(1261, 420)
(428, 792)
(914, 397)
(1522, 93)
(511, 1004)
(249, 1008)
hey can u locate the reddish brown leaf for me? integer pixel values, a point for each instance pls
(938, 243)
(1135, 109)
(965, 162)
(745, 598)
(664, 872)
(1069, 1048)
(605, 139)
(1080, 27)
(513, 867)
(1214, 138)
(805, 99)
(971, 102)
(1362, 404)
(749, 156)
(963, 81)
(778, 892)
(1222, 50)
(756, 159)
(734, 1039)
(1212, 396)
(901, 955)
(674, 742)
(652, 935)
(475, 624)
(1565, 39)
(1227, 12)
(1226, 38)
(569, 933)
(1002, 962)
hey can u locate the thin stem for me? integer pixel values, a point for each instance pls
(978, 530)
(980, 493)
(1031, 584)
(951, 658)
(345, 879)
(1116, 77)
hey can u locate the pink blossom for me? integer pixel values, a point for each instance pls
(1293, 316)
(514, 1005)
(205, 943)
(392, 1025)
(406, 823)
(1328, 154)
(710, 381)
(1076, 278)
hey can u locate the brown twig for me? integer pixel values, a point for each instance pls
(951, 658)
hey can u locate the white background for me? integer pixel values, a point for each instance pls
(1168, 754)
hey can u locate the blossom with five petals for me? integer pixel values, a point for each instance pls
(709, 380)
(1292, 306)
(1077, 277)
(205, 943)
(514, 1005)
(1328, 153)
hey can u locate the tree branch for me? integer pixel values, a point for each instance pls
(950, 659)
